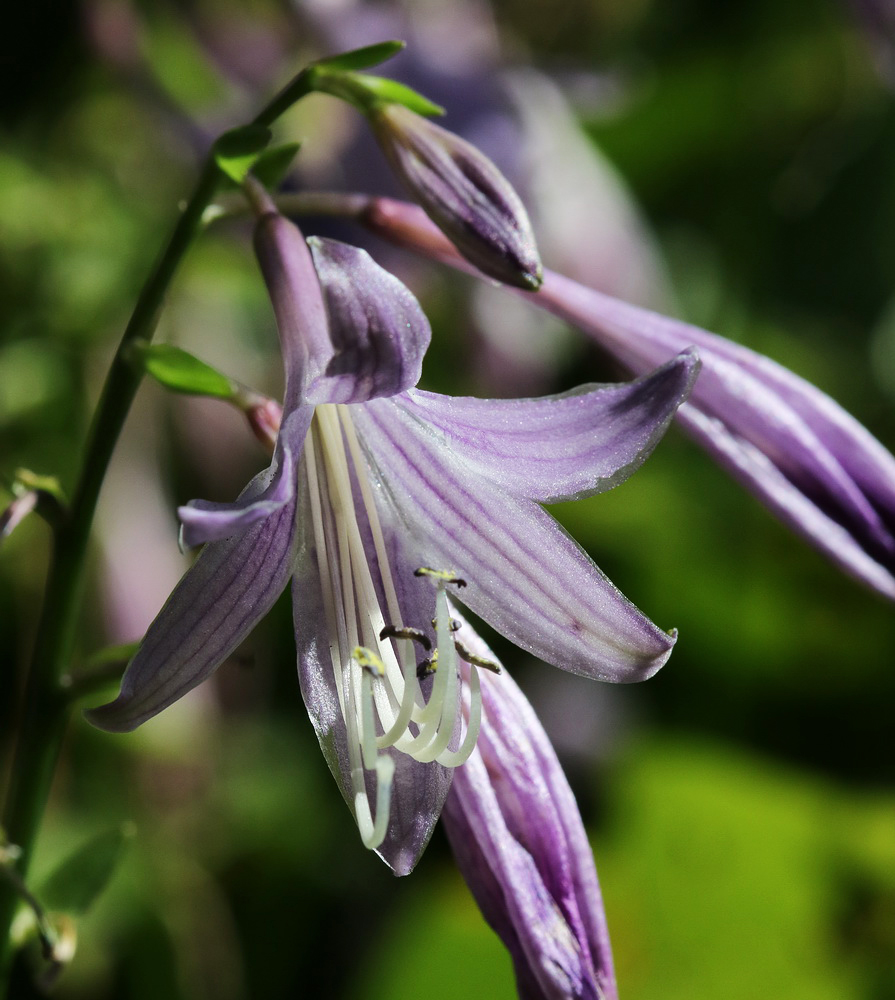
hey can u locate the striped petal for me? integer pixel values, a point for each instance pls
(559, 447)
(519, 841)
(743, 404)
(229, 588)
(206, 521)
(379, 331)
(525, 576)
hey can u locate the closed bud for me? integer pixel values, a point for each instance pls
(463, 193)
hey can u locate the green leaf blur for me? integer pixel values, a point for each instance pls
(741, 803)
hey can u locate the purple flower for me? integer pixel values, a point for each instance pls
(818, 469)
(809, 461)
(372, 480)
(463, 193)
(520, 844)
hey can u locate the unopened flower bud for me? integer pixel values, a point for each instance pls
(463, 193)
(265, 416)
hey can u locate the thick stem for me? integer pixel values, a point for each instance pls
(46, 707)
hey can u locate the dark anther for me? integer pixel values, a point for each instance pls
(425, 668)
(440, 574)
(393, 632)
(454, 625)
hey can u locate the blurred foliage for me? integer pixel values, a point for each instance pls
(744, 821)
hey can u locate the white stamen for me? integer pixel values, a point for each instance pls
(379, 693)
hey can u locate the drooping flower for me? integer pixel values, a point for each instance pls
(816, 467)
(372, 480)
(808, 460)
(519, 841)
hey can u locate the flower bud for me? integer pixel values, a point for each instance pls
(519, 842)
(463, 193)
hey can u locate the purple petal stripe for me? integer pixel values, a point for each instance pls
(379, 332)
(559, 447)
(525, 576)
(206, 521)
(229, 588)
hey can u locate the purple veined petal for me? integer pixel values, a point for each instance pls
(206, 521)
(559, 447)
(229, 588)
(379, 332)
(297, 301)
(753, 469)
(821, 449)
(862, 456)
(519, 841)
(847, 476)
(526, 577)
(418, 790)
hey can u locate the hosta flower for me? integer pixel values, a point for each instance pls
(819, 470)
(809, 461)
(371, 481)
(463, 193)
(519, 841)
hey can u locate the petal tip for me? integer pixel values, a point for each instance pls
(112, 717)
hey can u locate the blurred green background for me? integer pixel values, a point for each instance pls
(741, 803)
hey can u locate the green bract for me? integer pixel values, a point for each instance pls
(237, 152)
(179, 371)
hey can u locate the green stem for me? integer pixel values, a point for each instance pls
(297, 88)
(46, 706)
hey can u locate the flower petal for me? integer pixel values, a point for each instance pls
(228, 589)
(525, 576)
(297, 303)
(820, 448)
(378, 330)
(520, 843)
(559, 447)
(418, 790)
(206, 521)
(754, 469)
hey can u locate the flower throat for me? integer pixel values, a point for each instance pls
(376, 676)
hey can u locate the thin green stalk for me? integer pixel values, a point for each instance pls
(46, 705)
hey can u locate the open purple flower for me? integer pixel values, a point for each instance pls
(372, 480)
(519, 842)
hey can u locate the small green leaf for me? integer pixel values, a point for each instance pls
(364, 58)
(179, 371)
(79, 879)
(273, 164)
(25, 479)
(236, 152)
(367, 93)
(392, 92)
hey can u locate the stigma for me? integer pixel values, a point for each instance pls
(390, 704)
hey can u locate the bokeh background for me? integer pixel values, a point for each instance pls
(731, 164)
